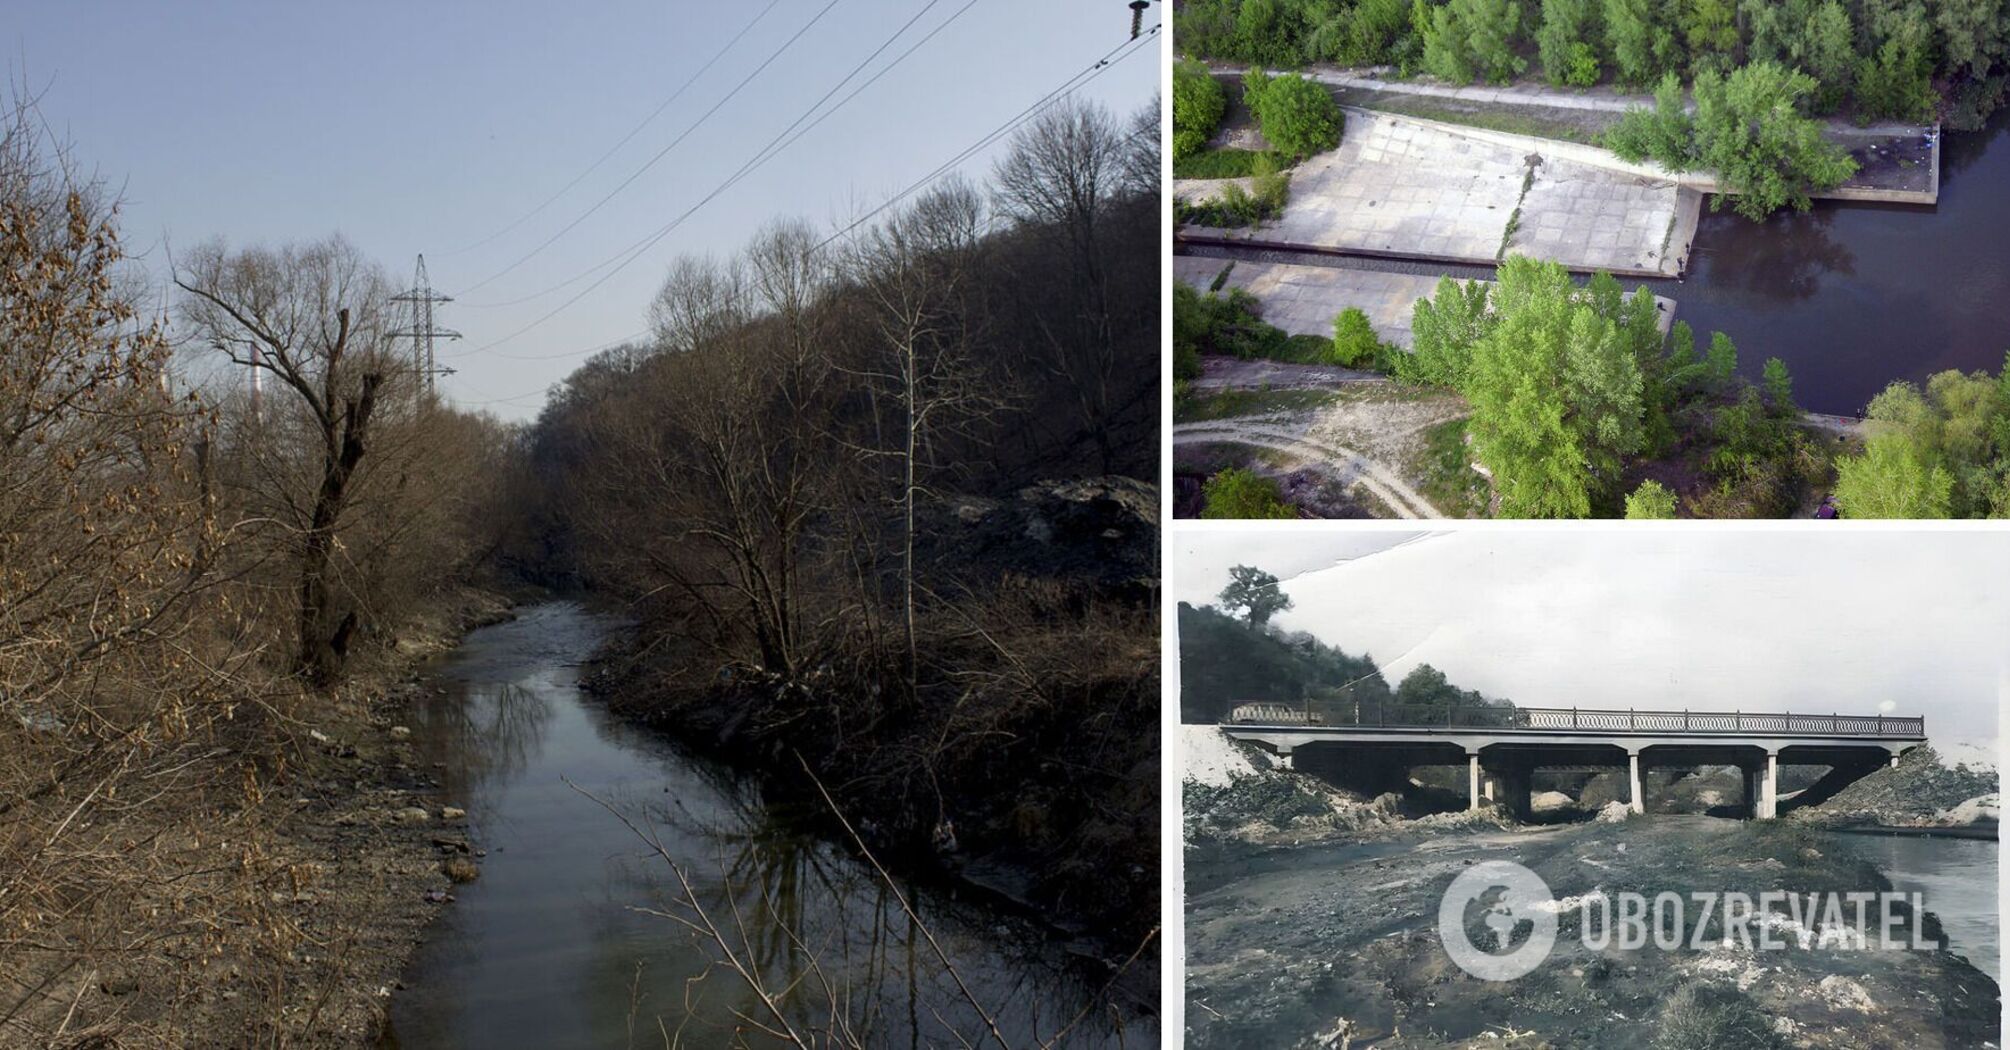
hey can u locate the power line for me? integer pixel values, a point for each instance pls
(625, 139)
(767, 153)
(660, 154)
(1101, 66)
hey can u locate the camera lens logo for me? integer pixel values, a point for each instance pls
(1513, 905)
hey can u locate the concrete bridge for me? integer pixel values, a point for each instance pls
(1375, 746)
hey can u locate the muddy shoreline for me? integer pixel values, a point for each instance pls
(369, 909)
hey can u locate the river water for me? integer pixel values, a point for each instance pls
(1957, 879)
(1854, 296)
(555, 945)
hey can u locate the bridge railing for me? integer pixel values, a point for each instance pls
(1400, 716)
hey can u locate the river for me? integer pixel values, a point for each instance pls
(1854, 296)
(555, 946)
(1957, 879)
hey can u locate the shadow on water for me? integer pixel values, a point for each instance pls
(1855, 296)
(571, 937)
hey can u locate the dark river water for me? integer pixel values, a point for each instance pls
(556, 945)
(1853, 296)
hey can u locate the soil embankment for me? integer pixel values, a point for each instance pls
(1311, 921)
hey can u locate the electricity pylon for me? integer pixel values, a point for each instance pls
(422, 331)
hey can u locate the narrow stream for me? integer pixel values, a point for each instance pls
(554, 945)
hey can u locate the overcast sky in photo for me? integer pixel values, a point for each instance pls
(1798, 620)
(434, 127)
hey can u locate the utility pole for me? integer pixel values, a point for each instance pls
(422, 331)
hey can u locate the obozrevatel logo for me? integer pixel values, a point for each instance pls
(1513, 904)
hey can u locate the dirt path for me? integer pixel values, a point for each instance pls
(1228, 373)
(1344, 464)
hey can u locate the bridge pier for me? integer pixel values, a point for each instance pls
(1284, 757)
(1769, 791)
(1636, 803)
(1473, 780)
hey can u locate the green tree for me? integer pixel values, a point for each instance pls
(1426, 686)
(1242, 494)
(1198, 103)
(1491, 27)
(1446, 54)
(1971, 33)
(1650, 502)
(1565, 42)
(1665, 134)
(1896, 83)
(1642, 45)
(1354, 340)
(1778, 388)
(1751, 132)
(1892, 479)
(1710, 28)
(1297, 116)
(1827, 52)
(1443, 330)
(1256, 593)
(1556, 396)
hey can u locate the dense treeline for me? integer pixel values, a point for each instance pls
(1876, 59)
(1937, 452)
(830, 490)
(1226, 661)
(188, 586)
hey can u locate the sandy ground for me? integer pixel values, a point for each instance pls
(1314, 442)
(1228, 373)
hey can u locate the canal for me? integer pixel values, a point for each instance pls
(571, 938)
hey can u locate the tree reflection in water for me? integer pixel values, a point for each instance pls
(479, 732)
(809, 945)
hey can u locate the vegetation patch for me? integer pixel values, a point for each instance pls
(1227, 163)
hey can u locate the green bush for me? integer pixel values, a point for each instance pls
(1651, 501)
(1297, 116)
(1354, 341)
(1243, 494)
(1235, 206)
(1198, 103)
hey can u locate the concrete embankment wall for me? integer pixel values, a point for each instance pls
(1698, 181)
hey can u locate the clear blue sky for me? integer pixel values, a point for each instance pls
(425, 127)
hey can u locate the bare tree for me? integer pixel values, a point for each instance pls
(1061, 175)
(916, 270)
(315, 317)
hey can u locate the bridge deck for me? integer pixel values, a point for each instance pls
(1370, 719)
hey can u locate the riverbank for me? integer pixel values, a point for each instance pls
(600, 833)
(357, 837)
(1027, 768)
